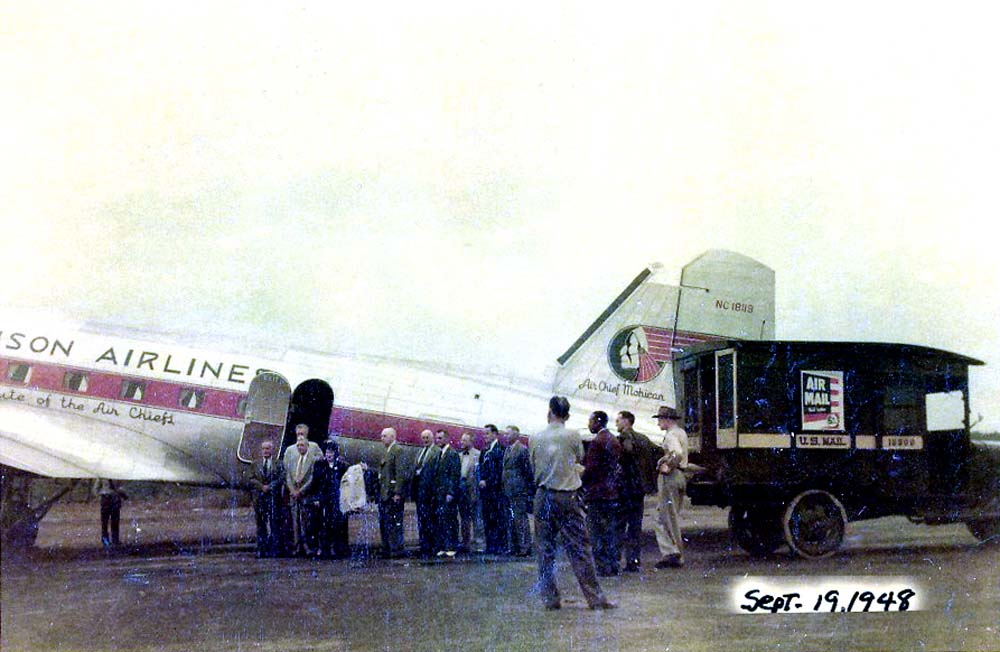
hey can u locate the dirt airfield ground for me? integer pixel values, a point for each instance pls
(187, 580)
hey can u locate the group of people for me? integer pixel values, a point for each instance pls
(464, 496)
(618, 473)
(591, 501)
(300, 492)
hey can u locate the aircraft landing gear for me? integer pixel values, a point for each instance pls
(19, 519)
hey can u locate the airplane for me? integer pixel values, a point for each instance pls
(88, 401)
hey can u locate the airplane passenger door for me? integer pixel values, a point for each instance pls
(266, 411)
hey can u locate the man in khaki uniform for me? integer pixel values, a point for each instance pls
(671, 486)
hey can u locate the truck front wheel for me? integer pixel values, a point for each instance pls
(814, 524)
(986, 530)
(755, 528)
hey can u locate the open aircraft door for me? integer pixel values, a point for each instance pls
(266, 412)
(312, 403)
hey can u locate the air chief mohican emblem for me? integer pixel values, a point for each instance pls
(637, 354)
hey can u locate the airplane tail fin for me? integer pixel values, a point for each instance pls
(625, 355)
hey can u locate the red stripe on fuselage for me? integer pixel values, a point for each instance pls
(107, 386)
(354, 423)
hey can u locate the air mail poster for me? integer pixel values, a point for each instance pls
(822, 401)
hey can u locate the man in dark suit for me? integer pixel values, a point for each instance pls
(332, 523)
(448, 487)
(601, 484)
(425, 494)
(491, 492)
(519, 490)
(268, 480)
(392, 481)
(639, 474)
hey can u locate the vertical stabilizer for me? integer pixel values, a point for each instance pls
(624, 357)
(728, 295)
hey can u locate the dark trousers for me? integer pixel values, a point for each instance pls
(390, 522)
(333, 530)
(560, 514)
(517, 517)
(446, 516)
(111, 511)
(427, 525)
(605, 535)
(631, 524)
(494, 521)
(267, 510)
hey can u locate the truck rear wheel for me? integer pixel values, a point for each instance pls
(755, 528)
(814, 524)
(986, 530)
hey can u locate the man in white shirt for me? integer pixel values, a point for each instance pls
(556, 454)
(468, 499)
(670, 484)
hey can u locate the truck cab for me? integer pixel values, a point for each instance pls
(799, 438)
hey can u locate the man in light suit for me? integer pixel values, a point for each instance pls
(392, 481)
(298, 460)
(468, 497)
(519, 490)
(448, 487)
(267, 480)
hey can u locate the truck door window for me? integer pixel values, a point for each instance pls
(727, 409)
(725, 399)
(901, 409)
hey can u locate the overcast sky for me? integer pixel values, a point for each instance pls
(476, 184)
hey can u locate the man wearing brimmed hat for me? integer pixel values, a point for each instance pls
(670, 485)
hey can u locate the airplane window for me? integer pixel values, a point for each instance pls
(19, 373)
(133, 390)
(192, 399)
(75, 381)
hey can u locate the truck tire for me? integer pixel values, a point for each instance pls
(755, 528)
(986, 530)
(814, 524)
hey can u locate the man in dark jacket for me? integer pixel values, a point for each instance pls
(268, 480)
(601, 490)
(327, 474)
(491, 497)
(425, 494)
(392, 482)
(448, 481)
(639, 456)
(519, 491)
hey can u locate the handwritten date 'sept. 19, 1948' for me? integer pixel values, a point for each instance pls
(824, 595)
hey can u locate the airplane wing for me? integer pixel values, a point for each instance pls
(73, 446)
